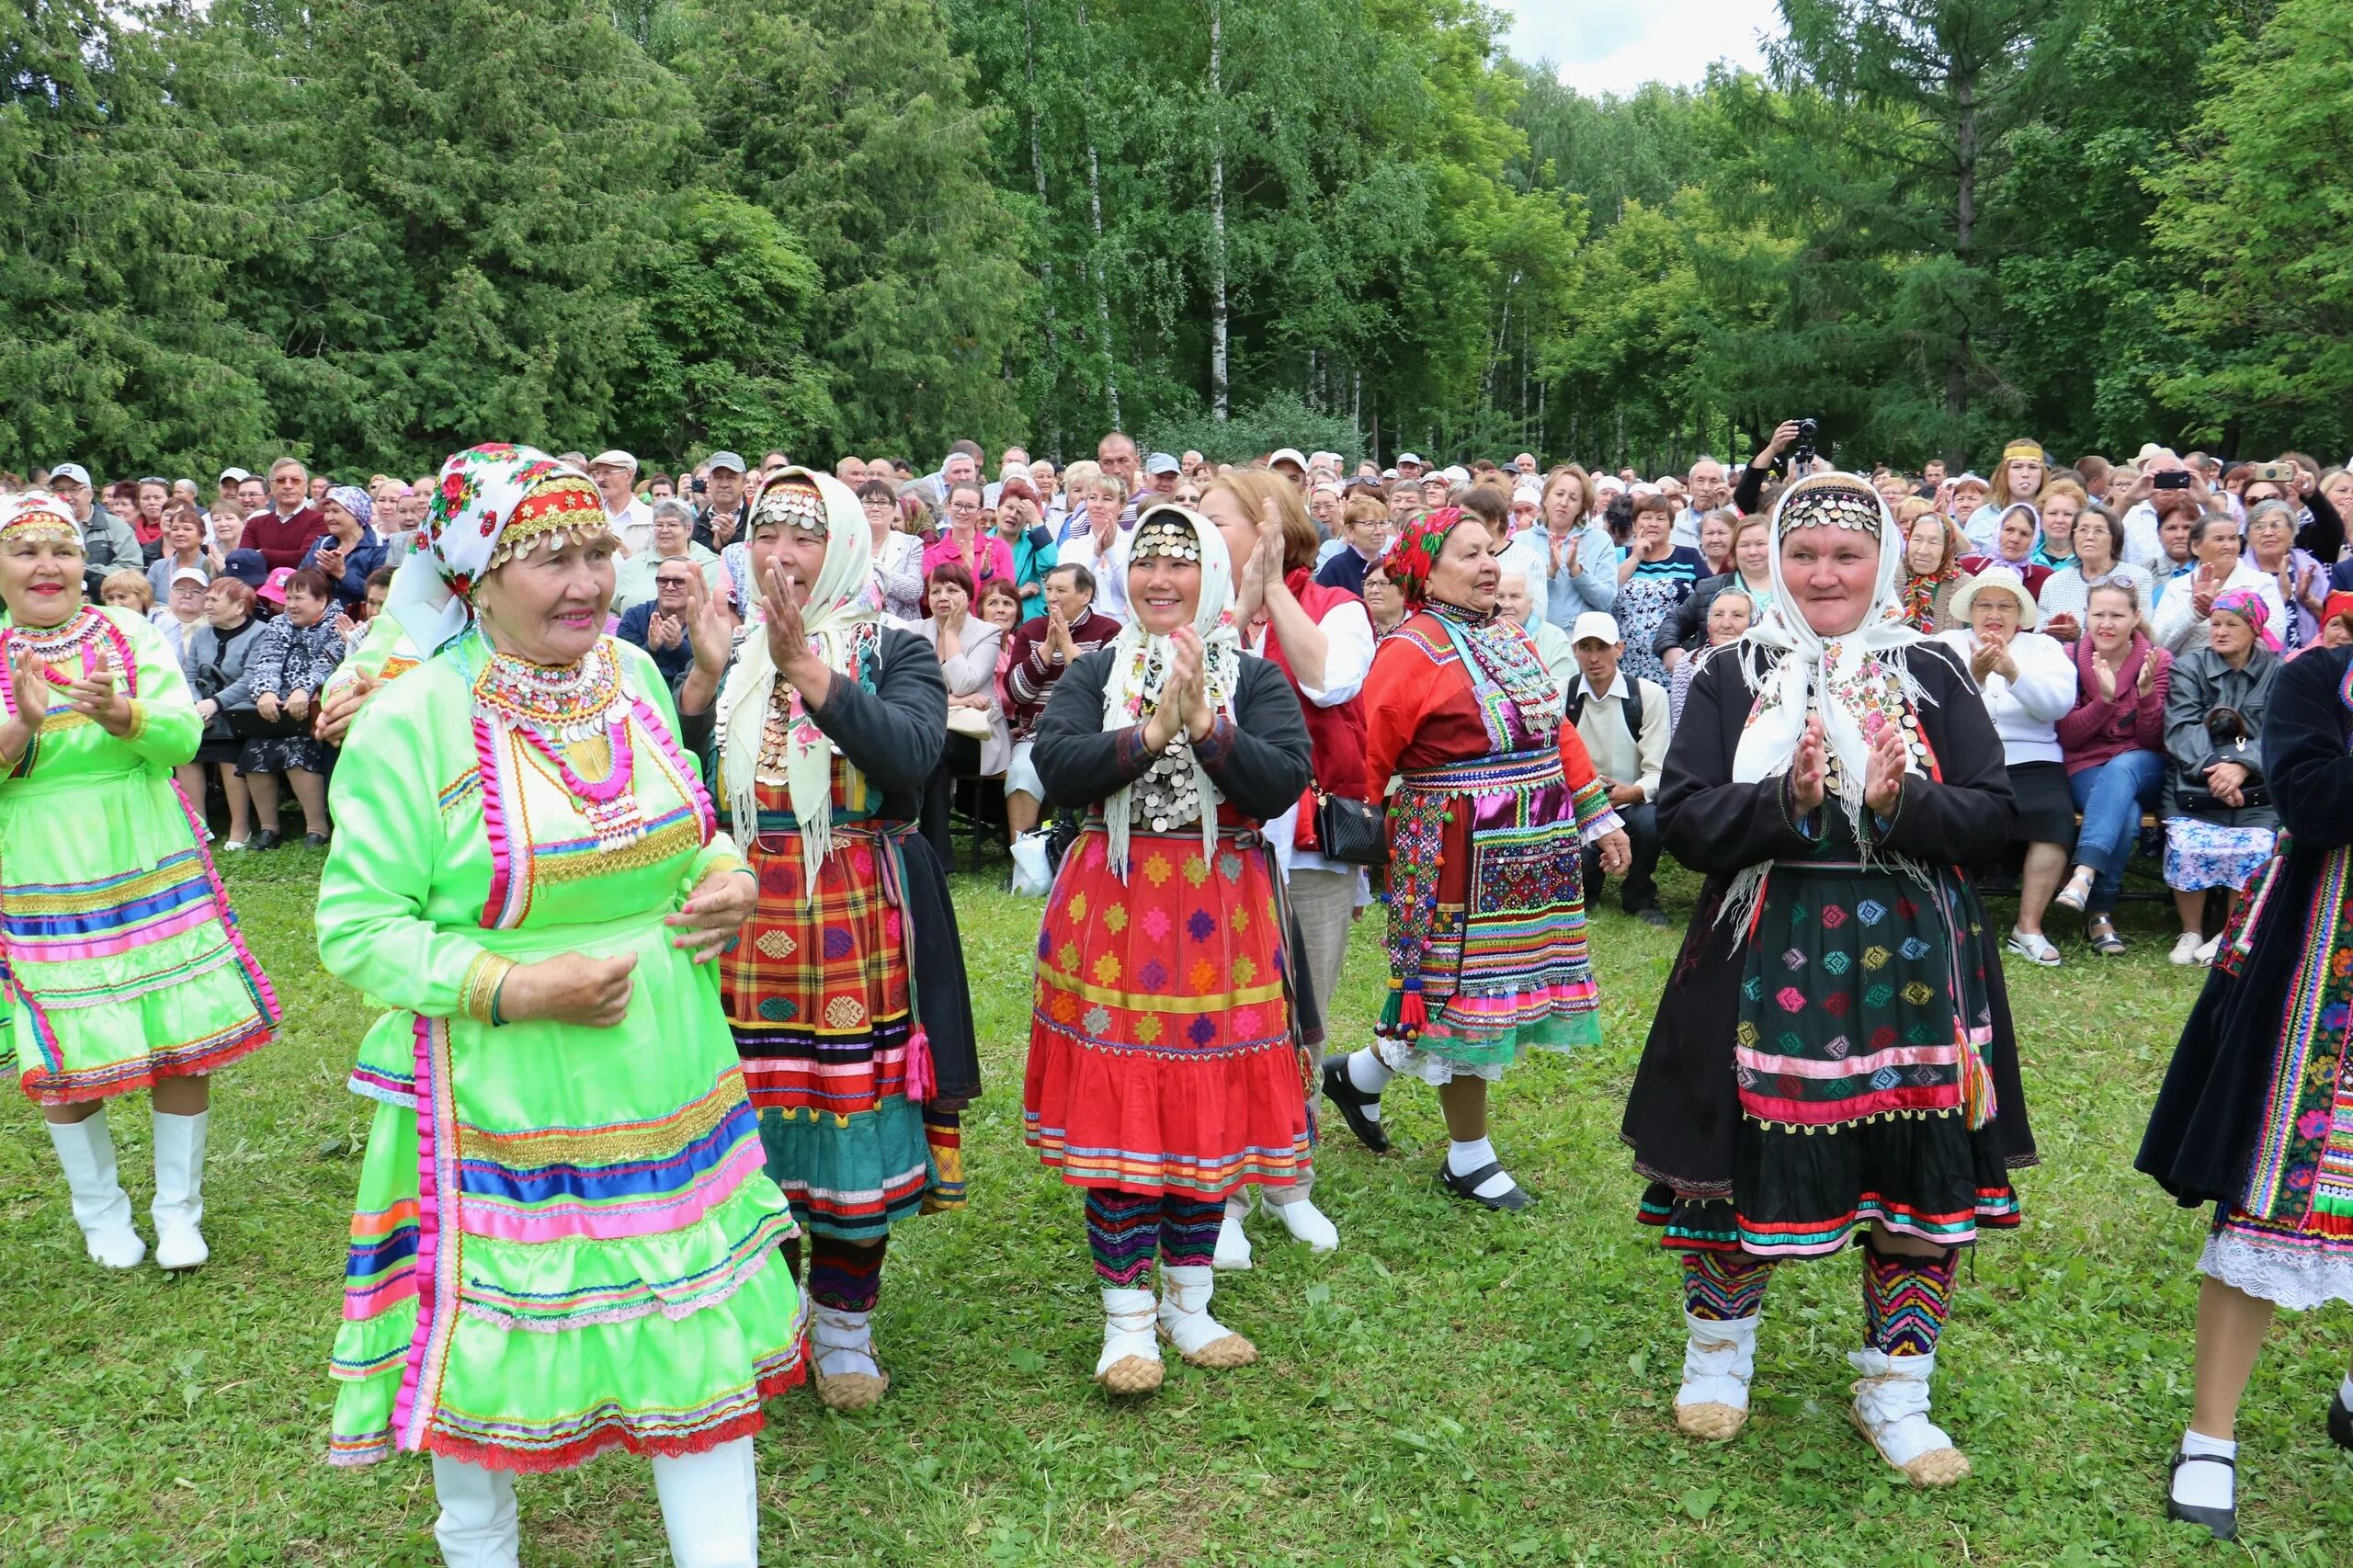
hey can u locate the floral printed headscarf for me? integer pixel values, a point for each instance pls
(2248, 605)
(1414, 552)
(495, 502)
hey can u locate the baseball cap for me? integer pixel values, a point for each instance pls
(1607, 485)
(613, 457)
(1596, 625)
(247, 567)
(273, 587)
(1529, 491)
(234, 476)
(1289, 455)
(1455, 473)
(1972, 479)
(727, 460)
(1161, 462)
(1414, 458)
(190, 575)
(74, 471)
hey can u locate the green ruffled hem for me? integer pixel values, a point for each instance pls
(1557, 1031)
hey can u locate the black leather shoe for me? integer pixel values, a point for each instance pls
(2222, 1522)
(314, 841)
(2341, 1420)
(1350, 1101)
(1512, 1200)
(267, 838)
(1652, 915)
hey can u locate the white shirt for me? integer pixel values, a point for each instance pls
(2026, 712)
(1606, 737)
(633, 525)
(1110, 576)
(1348, 660)
(2141, 546)
(1529, 553)
(2179, 628)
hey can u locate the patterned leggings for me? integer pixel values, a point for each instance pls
(846, 1276)
(1121, 1227)
(1905, 1299)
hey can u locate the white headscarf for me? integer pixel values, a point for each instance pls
(1139, 662)
(837, 605)
(1842, 679)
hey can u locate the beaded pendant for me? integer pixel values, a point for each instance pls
(558, 710)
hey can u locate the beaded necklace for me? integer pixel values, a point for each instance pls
(562, 711)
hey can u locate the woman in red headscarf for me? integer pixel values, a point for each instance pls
(1495, 802)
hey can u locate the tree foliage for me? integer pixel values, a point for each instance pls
(368, 231)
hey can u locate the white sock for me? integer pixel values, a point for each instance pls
(1369, 1073)
(2204, 1485)
(1464, 1158)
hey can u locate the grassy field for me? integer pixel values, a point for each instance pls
(1449, 1389)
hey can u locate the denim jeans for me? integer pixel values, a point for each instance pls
(2113, 796)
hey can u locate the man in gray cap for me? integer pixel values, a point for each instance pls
(720, 521)
(107, 539)
(1161, 473)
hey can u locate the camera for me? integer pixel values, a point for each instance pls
(2178, 479)
(700, 487)
(2274, 474)
(1809, 437)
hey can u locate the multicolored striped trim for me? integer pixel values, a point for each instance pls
(379, 1269)
(438, 1245)
(1724, 1287)
(1163, 1172)
(604, 1184)
(77, 922)
(2298, 1119)
(1907, 1300)
(560, 1312)
(1996, 1209)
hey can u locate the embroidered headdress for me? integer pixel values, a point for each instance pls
(495, 502)
(836, 610)
(37, 513)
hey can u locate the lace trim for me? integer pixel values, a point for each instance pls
(2296, 1280)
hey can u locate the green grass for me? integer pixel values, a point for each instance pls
(1449, 1387)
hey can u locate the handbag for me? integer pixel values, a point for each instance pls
(974, 722)
(1347, 829)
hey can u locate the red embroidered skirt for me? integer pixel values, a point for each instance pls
(1162, 1052)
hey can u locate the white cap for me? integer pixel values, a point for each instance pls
(1607, 485)
(74, 471)
(1454, 473)
(1597, 626)
(1288, 455)
(1529, 491)
(1643, 487)
(1414, 458)
(238, 474)
(190, 575)
(613, 458)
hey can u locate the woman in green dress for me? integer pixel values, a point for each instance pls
(564, 1241)
(125, 970)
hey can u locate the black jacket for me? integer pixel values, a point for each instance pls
(1261, 773)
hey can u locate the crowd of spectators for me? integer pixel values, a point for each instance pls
(2122, 619)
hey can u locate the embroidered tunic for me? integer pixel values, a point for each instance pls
(2256, 1114)
(1496, 801)
(1845, 1056)
(847, 997)
(125, 965)
(1165, 1052)
(564, 1240)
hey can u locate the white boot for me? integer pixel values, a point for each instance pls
(1892, 1410)
(1305, 1221)
(478, 1527)
(1232, 1254)
(710, 1506)
(1719, 1359)
(1185, 1321)
(847, 1374)
(1130, 1358)
(85, 1150)
(180, 1190)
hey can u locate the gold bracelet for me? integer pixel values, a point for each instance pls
(478, 992)
(137, 721)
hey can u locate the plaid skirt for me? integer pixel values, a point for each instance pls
(820, 997)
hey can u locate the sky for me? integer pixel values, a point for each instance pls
(1614, 45)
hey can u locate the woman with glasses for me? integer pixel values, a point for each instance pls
(898, 556)
(967, 543)
(1365, 528)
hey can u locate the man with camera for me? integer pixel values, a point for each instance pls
(1799, 439)
(2166, 486)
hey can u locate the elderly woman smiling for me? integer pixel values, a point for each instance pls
(1831, 1059)
(532, 879)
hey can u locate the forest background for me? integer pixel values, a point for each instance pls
(369, 232)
